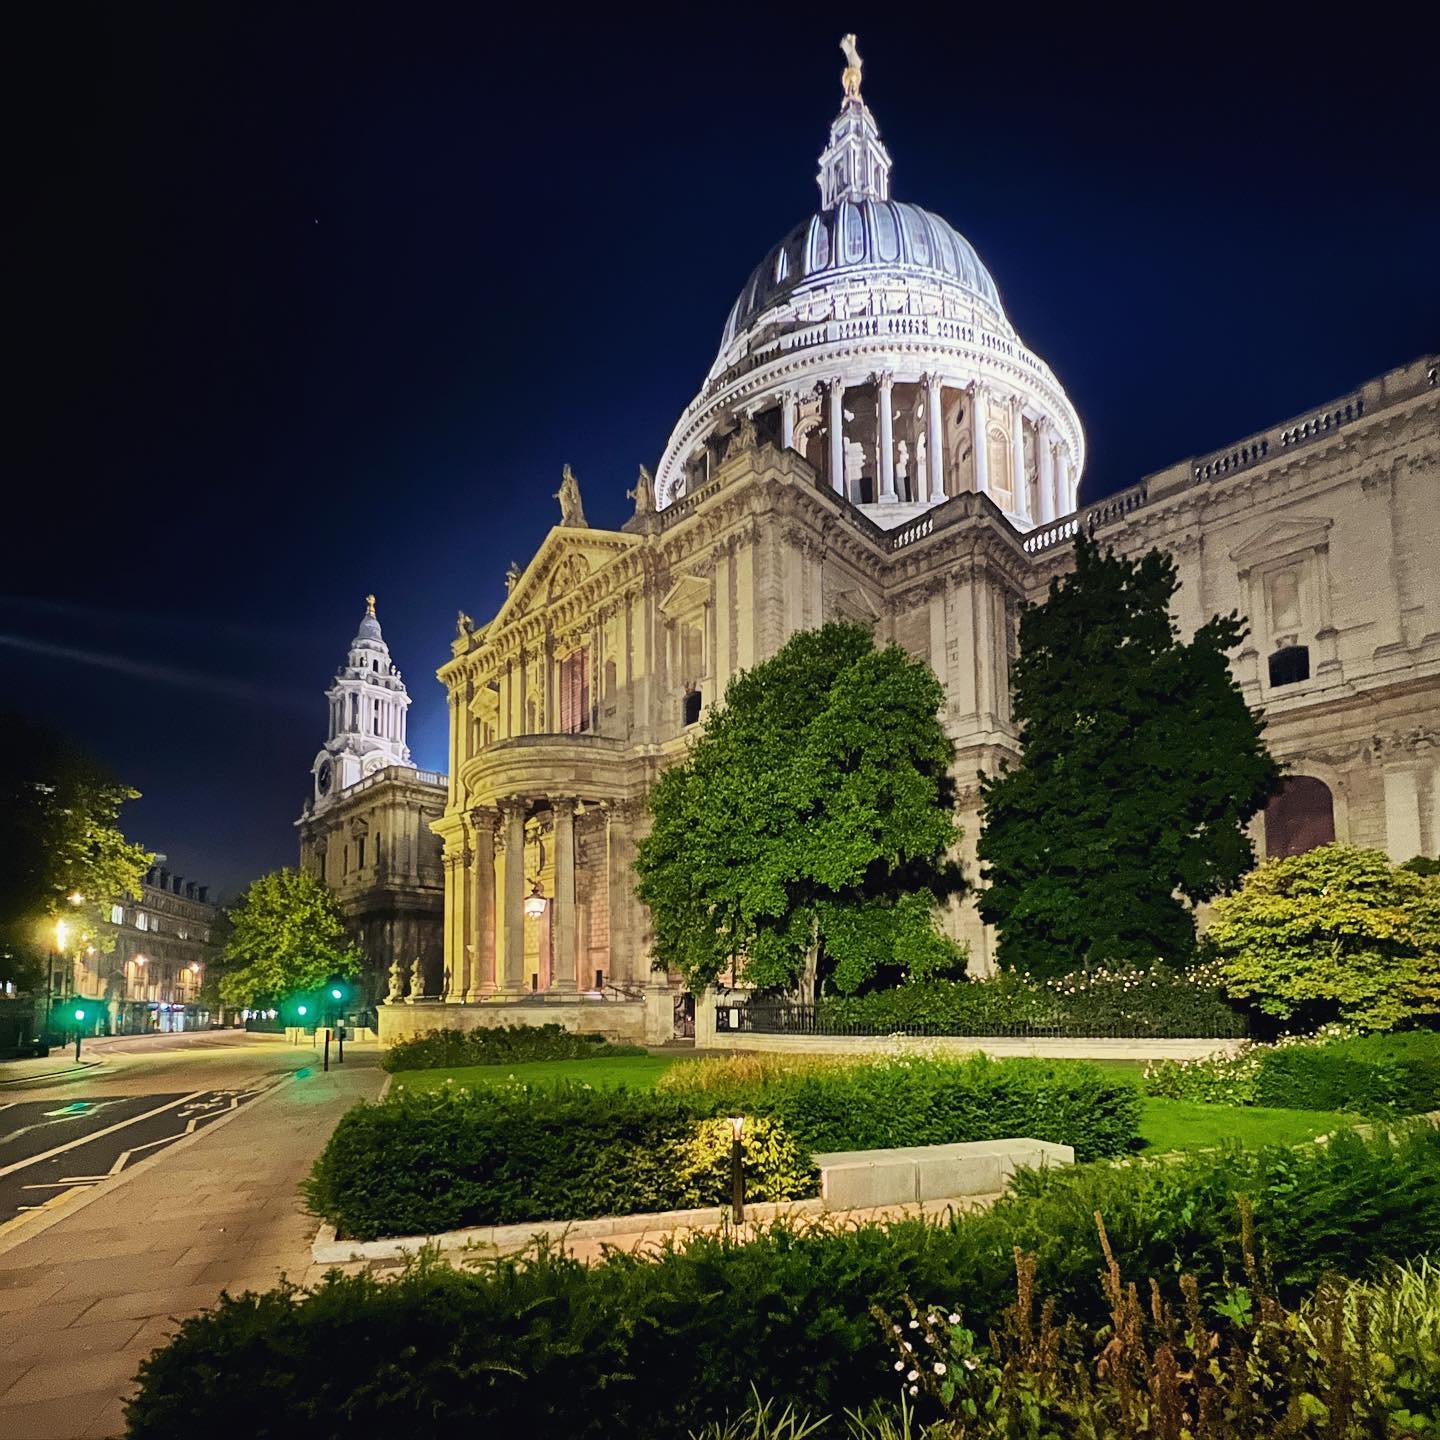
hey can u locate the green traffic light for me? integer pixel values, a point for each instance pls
(337, 992)
(300, 1009)
(79, 1014)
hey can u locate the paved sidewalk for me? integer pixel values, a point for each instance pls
(82, 1303)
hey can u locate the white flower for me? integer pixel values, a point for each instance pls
(939, 1367)
(899, 1364)
(971, 1363)
(913, 1375)
(954, 1319)
(914, 1389)
(914, 1324)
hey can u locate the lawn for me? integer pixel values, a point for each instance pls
(1164, 1124)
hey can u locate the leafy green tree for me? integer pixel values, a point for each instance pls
(1338, 933)
(65, 858)
(285, 934)
(1141, 765)
(806, 833)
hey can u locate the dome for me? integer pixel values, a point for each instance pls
(855, 236)
(369, 626)
(872, 343)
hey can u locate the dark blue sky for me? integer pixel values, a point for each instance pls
(312, 300)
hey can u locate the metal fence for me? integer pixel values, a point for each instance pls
(780, 1018)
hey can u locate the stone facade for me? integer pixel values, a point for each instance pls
(366, 830)
(611, 646)
(164, 944)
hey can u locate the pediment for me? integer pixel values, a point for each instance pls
(1288, 535)
(688, 593)
(566, 559)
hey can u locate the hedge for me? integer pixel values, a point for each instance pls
(499, 1045)
(1158, 1001)
(1382, 1074)
(656, 1345)
(914, 1100)
(417, 1164)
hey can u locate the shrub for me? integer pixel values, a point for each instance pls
(499, 1045)
(655, 1345)
(1157, 1001)
(916, 1100)
(1369, 1074)
(419, 1163)
(1372, 1075)
(1334, 934)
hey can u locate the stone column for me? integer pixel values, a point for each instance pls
(787, 421)
(1020, 484)
(979, 430)
(451, 865)
(836, 426)
(934, 440)
(1064, 504)
(562, 935)
(1045, 455)
(885, 434)
(513, 814)
(482, 905)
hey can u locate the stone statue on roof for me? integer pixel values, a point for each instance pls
(572, 512)
(644, 493)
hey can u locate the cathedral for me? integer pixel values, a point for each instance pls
(875, 442)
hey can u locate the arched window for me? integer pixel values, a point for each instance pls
(1299, 817)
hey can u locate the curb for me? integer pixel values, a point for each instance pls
(36, 1222)
(70, 1072)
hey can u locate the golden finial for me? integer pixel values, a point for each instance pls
(369, 604)
(851, 78)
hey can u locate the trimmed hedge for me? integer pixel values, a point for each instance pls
(920, 1101)
(656, 1346)
(1372, 1075)
(1159, 1001)
(1383, 1074)
(416, 1164)
(499, 1045)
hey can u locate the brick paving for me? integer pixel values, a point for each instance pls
(85, 1301)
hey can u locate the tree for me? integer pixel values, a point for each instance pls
(65, 858)
(286, 935)
(806, 833)
(1338, 933)
(1141, 766)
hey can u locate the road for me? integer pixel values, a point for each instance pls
(65, 1128)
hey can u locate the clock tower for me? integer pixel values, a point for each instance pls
(368, 701)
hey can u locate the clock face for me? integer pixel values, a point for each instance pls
(322, 778)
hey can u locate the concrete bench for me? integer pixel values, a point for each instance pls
(859, 1179)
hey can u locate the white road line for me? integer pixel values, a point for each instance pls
(97, 1134)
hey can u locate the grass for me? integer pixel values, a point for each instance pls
(1164, 1124)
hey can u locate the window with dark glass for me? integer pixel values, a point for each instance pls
(690, 707)
(1290, 665)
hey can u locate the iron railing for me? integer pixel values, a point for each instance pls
(771, 1018)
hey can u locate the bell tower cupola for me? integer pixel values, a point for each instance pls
(367, 717)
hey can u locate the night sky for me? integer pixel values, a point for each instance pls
(312, 301)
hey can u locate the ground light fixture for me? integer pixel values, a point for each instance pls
(737, 1168)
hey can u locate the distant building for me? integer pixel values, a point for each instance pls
(365, 831)
(164, 943)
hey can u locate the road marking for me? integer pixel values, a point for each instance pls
(97, 1134)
